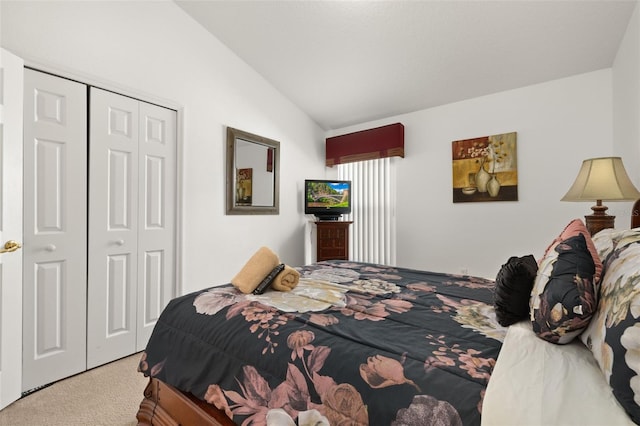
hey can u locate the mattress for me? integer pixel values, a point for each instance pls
(538, 383)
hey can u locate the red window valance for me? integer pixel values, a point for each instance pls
(380, 142)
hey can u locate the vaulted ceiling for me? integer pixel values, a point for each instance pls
(348, 62)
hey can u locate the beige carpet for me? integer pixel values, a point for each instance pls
(108, 395)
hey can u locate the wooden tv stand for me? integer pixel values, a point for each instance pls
(332, 239)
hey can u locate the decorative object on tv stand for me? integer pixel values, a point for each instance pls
(601, 179)
(485, 169)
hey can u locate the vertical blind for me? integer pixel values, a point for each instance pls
(373, 233)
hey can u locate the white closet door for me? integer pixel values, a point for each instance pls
(132, 181)
(11, 98)
(113, 228)
(156, 216)
(55, 228)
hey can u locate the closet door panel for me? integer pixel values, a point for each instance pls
(55, 229)
(113, 228)
(156, 269)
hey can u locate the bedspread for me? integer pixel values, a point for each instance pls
(353, 343)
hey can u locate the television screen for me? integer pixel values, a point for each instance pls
(327, 199)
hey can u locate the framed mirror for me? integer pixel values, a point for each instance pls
(253, 173)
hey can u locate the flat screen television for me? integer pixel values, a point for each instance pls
(327, 199)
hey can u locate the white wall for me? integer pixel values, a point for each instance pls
(626, 98)
(559, 123)
(153, 50)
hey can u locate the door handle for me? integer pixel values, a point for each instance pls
(10, 246)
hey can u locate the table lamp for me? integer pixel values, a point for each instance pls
(601, 179)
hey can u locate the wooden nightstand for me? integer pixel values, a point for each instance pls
(332, 239)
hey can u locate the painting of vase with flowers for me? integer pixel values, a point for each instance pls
(485, 169)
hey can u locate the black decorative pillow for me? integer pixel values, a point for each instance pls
(563, 298)
(614, 332)
(513, 289)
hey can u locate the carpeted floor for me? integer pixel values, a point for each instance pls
(108, 395)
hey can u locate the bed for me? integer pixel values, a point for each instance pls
(357, 343)
(353, 342)
(591, 378)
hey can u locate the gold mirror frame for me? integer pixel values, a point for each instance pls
(237, 203)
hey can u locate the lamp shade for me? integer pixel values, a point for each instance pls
(602, 179)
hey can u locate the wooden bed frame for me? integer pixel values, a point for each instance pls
(164, 405)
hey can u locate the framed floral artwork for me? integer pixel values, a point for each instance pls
(485, 169)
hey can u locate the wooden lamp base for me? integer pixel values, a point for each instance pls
(599, 220)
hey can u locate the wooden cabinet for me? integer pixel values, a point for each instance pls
(332, 240)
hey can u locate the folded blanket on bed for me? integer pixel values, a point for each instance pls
(286, 280)
(255, 270)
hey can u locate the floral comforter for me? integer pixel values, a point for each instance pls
(353, 343)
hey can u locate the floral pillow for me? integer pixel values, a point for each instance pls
(575, 227)
(606, 240)
(563, 298)
(614, 333)
(603, 241)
